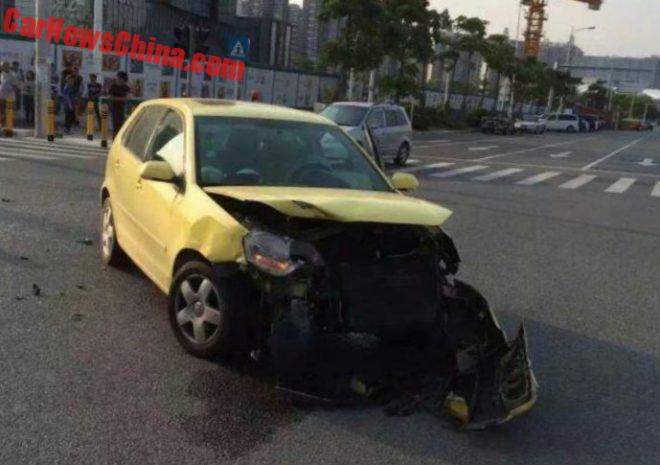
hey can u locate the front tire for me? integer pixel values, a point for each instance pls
(111, 252)
(570, 129)
(199, 310)
(402, 155)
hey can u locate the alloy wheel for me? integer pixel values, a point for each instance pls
(199, 313)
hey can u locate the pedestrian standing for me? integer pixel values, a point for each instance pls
(68, 101)
(20, 79)
(93, 95)
(119, 92)
(77, 88)
(28, 97)
(8, 88)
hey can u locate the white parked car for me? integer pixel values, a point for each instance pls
(561, 122)
(530, 123)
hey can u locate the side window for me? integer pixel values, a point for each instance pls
(167, 144)
(401, 118)
(375, 119)
(140, 134)
(391, 118)
(553, 118)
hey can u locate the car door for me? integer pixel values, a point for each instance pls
(376, 122)
(552, 123)
(157, 199)
(127, 165)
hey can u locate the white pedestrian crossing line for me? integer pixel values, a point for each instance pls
(578, 182)
(427, 167)
(34, 149)
(27, 156)
(539, 178)
(656, 190)
(498, 174)
(456, 172)
(4, 159)
(621, 186)
(483, 149)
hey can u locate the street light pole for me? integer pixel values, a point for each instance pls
(571, 42)
(42, 72)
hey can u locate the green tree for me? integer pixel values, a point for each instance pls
(596, 96)
(499, 54)
(410, 31)
(360, 42)
(471, 38)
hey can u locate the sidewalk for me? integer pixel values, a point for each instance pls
(77, 137)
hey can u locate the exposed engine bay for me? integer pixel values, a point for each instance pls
(350, 312)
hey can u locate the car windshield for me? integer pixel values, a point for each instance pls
(263, 152)
(345, 115)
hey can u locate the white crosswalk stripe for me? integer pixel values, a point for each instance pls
(4, 159)
(656, 190)
(498, 174)
(428, 167)
(621, 186)
(578, 182)
(456, 172)
(35, 149)
(539, 178)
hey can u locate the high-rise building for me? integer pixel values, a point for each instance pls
(297, 30)
(272, 9)
(312, 29)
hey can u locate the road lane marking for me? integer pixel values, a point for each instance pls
(27, 156)
(610, 155)
(578, 182)
(540, 147)
(560, 155)
(647, 163)
(427, 167)
(498, 174)
(32, 143)
(539, 178)
(4, 159)
(483, 149)
(656, 190)
(459, 171)
(621, 186)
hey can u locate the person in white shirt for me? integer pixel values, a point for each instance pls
(8, 88)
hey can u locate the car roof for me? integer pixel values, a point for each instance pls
(239, 109)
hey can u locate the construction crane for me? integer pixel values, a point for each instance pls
(536, 17)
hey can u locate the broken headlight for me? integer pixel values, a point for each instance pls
(270, 253)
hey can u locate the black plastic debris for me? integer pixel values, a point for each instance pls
(24, 258)
(86, 241)
(5, 200)
(81, 287)
(19, 298)
(36, 290)
(77, 317)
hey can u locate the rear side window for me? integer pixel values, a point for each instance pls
(391, 118)
(138, 137)
(567, 118)
(376, 119)
(402, 119)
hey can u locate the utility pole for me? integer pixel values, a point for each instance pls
(42, 68)
(98, 26)
(372, 85)
(632, 105)
(551, 93)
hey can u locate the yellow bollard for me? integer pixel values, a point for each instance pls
(90, 120)
(9, 117)
(104, 125)
(50, 120)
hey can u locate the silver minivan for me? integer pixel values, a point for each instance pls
(389, 124)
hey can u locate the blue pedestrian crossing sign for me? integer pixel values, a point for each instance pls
(239, 47)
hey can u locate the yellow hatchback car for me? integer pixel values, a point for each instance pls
(270, 227)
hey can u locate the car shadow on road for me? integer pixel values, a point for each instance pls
(598, 404)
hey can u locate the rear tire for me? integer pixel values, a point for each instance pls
(402, 155)
(200, 310)
(111, 252)
(570, 129)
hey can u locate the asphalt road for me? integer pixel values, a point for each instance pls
(559, 231)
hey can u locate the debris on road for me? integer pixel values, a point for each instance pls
(24, 258)
(77, 317)
(36, 290)
(81, 287)
(86, 241)
(19, 298)
(5, 200)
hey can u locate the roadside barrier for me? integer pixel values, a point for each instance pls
(9, 117)
(104, 125)
(50, 120)
(90, 120)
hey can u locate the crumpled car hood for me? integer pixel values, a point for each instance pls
(340, 204)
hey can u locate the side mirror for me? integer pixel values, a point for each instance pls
(405, 182)
(157, 171)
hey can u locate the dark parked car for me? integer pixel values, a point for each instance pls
(495, 124)
(593, 121)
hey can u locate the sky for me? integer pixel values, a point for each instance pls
(623, 27)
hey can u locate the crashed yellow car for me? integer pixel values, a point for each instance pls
(272, 232)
